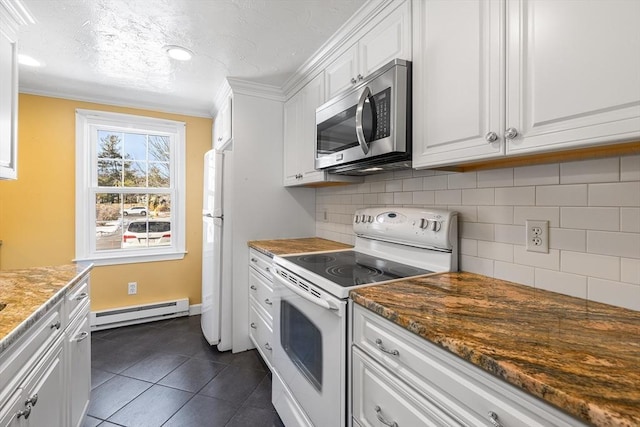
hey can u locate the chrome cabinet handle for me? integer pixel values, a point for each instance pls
(253, 288)
(254, 259)
(25, 413)
(491, 137)
(81, 336)
(55, 325)
(32, 400)
(267, 346)
(219, 138)
(382, 419)
(253, 325)
(360, 77)
(353, 80)
(268, 301)
(268, 270)
(493, 419)
(82, 296)
(366, 93)
(511, 133)
(382, 348)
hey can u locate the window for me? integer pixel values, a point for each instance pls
(130, 203)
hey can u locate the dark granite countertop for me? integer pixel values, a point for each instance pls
(581, 356)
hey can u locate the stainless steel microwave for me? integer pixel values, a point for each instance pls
(367, 128)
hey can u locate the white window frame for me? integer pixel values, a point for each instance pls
(87, 124)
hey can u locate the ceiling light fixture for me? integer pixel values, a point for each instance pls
(178, 52)
(28, 61)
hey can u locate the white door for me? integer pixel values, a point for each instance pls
(212, 247)
(573, 73)
(458, 75)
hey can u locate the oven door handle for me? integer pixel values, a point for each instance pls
(317, 301)
(366, 93)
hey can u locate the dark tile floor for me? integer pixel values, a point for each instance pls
(165, 374)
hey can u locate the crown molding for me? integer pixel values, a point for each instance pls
(16, 12)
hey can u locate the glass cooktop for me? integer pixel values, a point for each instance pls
(351, 268)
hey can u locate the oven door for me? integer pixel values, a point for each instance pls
(309, 356)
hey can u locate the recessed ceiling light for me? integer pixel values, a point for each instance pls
(28, 61)
(178, 52)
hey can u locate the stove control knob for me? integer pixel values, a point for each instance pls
(356, 219)
(435, 225)
(363, 218)
(424, 223)
(369, 218)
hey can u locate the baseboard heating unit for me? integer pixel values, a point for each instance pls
(134, 314)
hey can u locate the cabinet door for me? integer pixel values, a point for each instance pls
(342, 73)
(8, 103)
(45, 386)
(222, 127)
(292, 139)
(312, 99)
(388, 40)
(79, 368)
(573, 73)
(12, 412)
(458, 81)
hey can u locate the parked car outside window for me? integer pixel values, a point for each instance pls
(143, 233)
(135, 210)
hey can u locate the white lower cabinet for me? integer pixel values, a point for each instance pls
(260, 304)
(78, 356)
(413, 380)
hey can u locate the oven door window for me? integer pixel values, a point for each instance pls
(302, 342)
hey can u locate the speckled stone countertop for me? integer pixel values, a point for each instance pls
(295, 246)
(581, 356)
(29, 293)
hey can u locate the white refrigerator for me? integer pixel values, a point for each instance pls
(215, 321)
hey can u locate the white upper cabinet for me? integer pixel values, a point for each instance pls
(522, 77)
(389, 38)
(222, 124)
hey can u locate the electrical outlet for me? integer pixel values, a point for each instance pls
(537, 236)
(133, 288)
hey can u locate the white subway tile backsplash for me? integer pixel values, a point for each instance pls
(424, 197)
(601, 266)
(465, 213)
(448, 197)
(562, 195)
(630, 220)
(521, 196)
(462, 180)
(514, 234)
(537, 175)
(630, 168)
(613, 243)
(476, 265)
(423, 172)
(550, 261)
(469, 247)
(385, 198)
(523, 213)
(474, 230)
(377, 187)
(607, 219)
(567, 239)
(495, 178)
(370, 199)
(393, 185)
(402, 173)
(357, 199)
(615, 194)
(585, 171)
(614, 293)
(479, 196)
(435, 182)
(403, 198)
(495, 251)
(412, 184)
(630, 270)
(565, 283)
(514, 273)
(495, 214)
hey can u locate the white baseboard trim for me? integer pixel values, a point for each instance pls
(195, 309)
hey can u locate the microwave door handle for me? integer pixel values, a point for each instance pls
(366, 93)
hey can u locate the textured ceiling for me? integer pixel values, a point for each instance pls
(111, 51)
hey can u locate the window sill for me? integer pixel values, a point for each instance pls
(132, 258)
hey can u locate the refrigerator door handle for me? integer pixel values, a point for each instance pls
(208, 215)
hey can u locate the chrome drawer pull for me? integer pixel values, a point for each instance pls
(382, 419)
(253, 287)
(253, 325)
(268, 301)
(55, 325)
(81, 336)
(25, 413)
(268, 270)
(254, 259)
(267, 346)
(493, 418)
(382, 348)
(82, 296)
(32, 400)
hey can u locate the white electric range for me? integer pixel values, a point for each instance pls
(311, 295)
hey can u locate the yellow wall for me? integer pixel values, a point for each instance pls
(37, 212)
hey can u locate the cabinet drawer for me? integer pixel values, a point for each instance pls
(260, 289)
(261, 333)
(261, 263)
(380, 396)
(28, 349)
(78, 294)
(454, 384)
(78, 355)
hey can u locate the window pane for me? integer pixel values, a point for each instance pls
(159, 148)
(109, 145)
(108, 221)
(160, 205)
(135, 174)
(159, 175)
(109, 173)
(135, 146)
